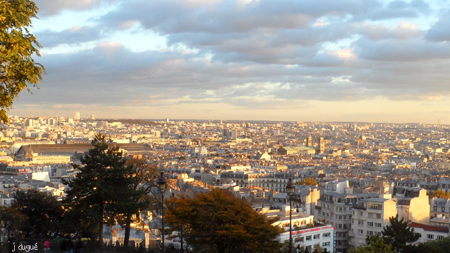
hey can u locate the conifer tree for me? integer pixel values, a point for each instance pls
(398, 233)
(99, 191)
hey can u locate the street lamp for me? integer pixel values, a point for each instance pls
(290, 189)
(162, 183)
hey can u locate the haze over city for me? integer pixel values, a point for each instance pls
(350, 60)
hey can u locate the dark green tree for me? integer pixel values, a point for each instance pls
(218, 221)
(435, 246)
(374, 244)
(43, 212)
(97, 193)
(11, 219)
(18, 70)
(398, 233)
(138, 196)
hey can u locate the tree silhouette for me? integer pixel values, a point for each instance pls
(102, 188)
(398, 233)
(43, 213)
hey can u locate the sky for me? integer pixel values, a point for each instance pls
(287, 60)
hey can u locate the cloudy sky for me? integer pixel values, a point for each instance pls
(301, 60)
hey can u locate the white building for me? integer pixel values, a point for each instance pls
(369, 217)
(309, 238)
(429, 232)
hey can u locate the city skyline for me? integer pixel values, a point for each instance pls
(352, 61)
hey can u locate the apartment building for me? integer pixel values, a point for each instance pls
(369, 218)
(412, 204)
(336, 209)
(440, 207)
(429, 232)
(309, 238)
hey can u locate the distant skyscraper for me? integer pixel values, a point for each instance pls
(225, 133)
(29, 123)
(92, 116)
(234, 134)
(77, 116)
(51, 121)
(321, 145)
(309, 141)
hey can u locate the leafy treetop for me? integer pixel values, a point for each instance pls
(440, 194)
(308, 181)
(18, 70)
(218, 221)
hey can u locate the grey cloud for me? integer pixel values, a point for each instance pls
(74, 35)
(168, 17)
(55, 7)
(400, 51)
(397, 9)
(440, 30)
(381, 32)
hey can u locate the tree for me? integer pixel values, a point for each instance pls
(99, 191)
(436, 246)
(18, 70)
(11, 219)
(398, 233)
(144, 175)
(440, 194)
(218, 221)
(374, 244)
(43, 213)
(307, 181)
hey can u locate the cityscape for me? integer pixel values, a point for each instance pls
(365, 173)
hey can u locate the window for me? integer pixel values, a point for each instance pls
(369, 232)
(439, 237)
(378, 216)
(327, 235)
(379, 233)
(340, 226)
(299, 239)
(370, 215)
(308, 238)
(378, 225)
(435, 208)
(303, 222)
(326, 244)
(430, 236)
(360, 231)
(361, 223)
(370, 224)
(443, 209)
(340, 217)
(316, 237)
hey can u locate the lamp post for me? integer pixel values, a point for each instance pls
(290, 189)
(162, 183)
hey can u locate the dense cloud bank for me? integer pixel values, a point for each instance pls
(243, 52)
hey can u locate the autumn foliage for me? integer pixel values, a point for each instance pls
(308, 181)
(218, 221)
(440, 194)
